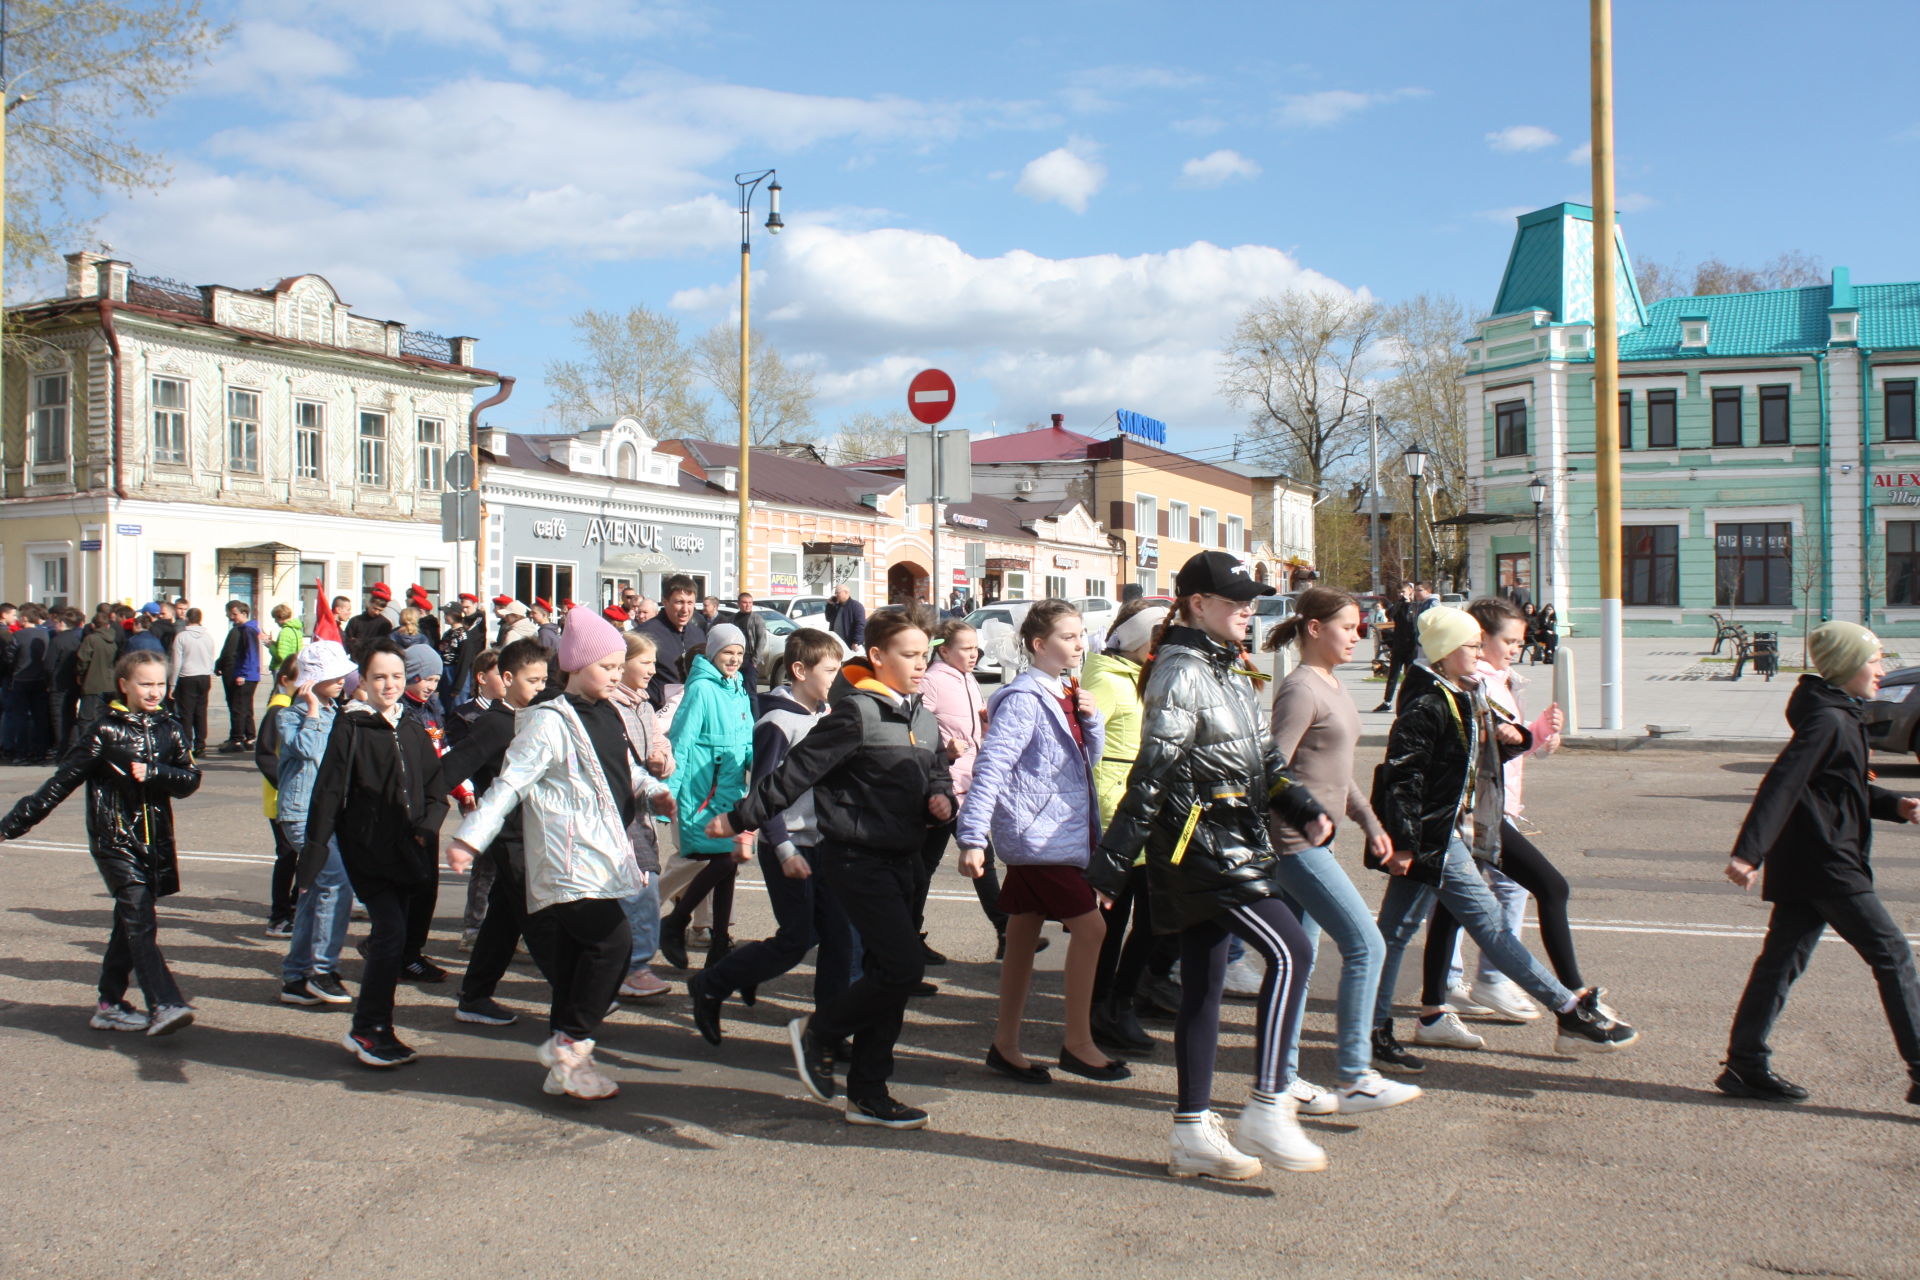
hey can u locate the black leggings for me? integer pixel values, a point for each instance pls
(1527, 867)
(1269, 928)
(1125, 952)
(717, 878)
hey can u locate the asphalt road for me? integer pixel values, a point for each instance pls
(252, 1146)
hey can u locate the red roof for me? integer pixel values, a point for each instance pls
(1048, 444)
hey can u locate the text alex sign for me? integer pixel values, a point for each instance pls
(1901, 488)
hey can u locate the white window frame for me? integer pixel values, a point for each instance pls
(1149, 580)
(52, 424)
(1097, 587)
(1236, 534)
(432, 456)
(1147, 506)
(41, 556)
(236, 422)
(171, 419)
(1179, 521)
(439, 584)
(1209, 528)
(370, 451)
(313, 434)
(1056, 586)
(1013, 584)
(553, 592)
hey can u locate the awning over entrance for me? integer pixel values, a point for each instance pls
(1485, 517)
(639, 562)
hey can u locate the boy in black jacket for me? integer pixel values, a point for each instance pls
(1809, 827)
(877, 775)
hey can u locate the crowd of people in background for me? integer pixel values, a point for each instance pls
(608, 771)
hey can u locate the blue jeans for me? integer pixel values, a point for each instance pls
(1315, 886)
(1406, 906)
(1513, 910)
(320, 921)
(643, 919)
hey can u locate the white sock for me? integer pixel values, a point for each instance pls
(1572, 1003)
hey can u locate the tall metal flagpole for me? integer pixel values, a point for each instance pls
(1606, 376)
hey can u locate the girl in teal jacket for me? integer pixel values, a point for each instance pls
(712, 736)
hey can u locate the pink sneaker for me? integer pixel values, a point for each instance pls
(644, 982)
(573, 1072)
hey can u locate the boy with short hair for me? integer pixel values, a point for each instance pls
(805, 913)
(1810, 827)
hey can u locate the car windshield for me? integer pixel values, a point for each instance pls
(980, 617)
(806, 608)
(1273, 607)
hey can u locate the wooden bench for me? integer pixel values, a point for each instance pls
(1722, 632)
(1763, 650)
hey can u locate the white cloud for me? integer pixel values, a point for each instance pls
(1069, 175)
(1506, 213)
(271, 59)
(1022, 333)
(1582, 154)
(1522, 137)
(1101, 89)
(1217, 167)
(1330, 106)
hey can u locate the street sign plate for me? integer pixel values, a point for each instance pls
(89, 544)
(956, 466)
(127, 530)
(459, 516)
(460, 471)
(930, 396)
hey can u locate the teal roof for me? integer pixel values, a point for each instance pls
(1889, 315)
(1551, 269)
(1776, 322)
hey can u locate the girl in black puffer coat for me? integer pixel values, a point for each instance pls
(134, 761)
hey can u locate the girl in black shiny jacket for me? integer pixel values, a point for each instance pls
(135, 761)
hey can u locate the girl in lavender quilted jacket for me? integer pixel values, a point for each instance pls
(1033, 796)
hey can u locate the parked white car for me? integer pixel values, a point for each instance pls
(800, 608)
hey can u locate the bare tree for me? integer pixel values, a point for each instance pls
(1299, 363)
(869, 435)
(1789, 270)
(78, 72)
(780, 397)
(632, 365)
(1425, 401)
(1808, 571)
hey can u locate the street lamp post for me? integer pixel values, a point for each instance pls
(1537, 490)
(1416, 462)
(748, 184)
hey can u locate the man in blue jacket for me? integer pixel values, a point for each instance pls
(847, 618)
(238, 670)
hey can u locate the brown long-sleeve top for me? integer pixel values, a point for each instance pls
(1316, 726)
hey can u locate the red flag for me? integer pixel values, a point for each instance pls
(324, 626)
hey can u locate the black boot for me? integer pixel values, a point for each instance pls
(1115, 1027)
(928, 955)
(718, 945)
(1762, 1084)
(673, 942)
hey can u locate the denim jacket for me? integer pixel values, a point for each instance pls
(303, 741)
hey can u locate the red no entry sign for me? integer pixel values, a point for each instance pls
(930, 396)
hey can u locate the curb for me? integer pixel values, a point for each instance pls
(1622, 742)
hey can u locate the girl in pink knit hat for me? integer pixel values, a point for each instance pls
(577, 782)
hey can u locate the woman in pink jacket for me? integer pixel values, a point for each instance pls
(953, 695)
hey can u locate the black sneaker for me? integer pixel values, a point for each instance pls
(329, 989)
(422, 969)
(280, 928)
(486, 1011)
(706, 1008)
(886, 1113)
(1115, 1027)
(1913, 1093)
(1762, 1084)
(815, 1067)
(296, 992)
(377, 1048)
(1590, 1027)
(925, 988)
(931, 957)
(1385, 706)
(1388, 1056)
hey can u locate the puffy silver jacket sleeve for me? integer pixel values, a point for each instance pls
(538, 742)
(1168, 729)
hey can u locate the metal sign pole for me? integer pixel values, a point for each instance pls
(933, 583)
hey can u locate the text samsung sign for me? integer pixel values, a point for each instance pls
(1141, 427)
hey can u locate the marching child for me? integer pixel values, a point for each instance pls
(712, 735)
(266, 758)
(135, 761)
(576, 781)
(375, 793)
(310, 973)
(643, 729)
(878, 775)
(1033, 795)
(1809, 828)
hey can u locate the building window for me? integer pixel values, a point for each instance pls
(1510, 428)
(1776, 421)
(313, 575)
(1903, 562)
(1650, 554)
(432, 434)
(1726, 416)
(1013, 584)
(1752, 565)
(373, 450)
(51, 417)
(49, 584)
(169, 575)
(1056, 586)
(433, 580)
(1097, 587)
(1899, 408)
(370, 574)
(169, 422)
(547, 581)
(309, 439)
(1513, 569)
(1626, 420)
(1236, 534)
(243, 431)
(1209, 528)
(1146, 515)
(1149, 580)
(1662, 414)
(1179, 521)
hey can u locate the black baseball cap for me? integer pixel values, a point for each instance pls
(1216, 573)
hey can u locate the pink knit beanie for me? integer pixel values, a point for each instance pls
(587, 638)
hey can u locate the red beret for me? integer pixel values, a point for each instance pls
(381, 591)
(614, 613)
(469, 597)
(501, 601)
(541, 602)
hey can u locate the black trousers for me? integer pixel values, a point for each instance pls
(1861, 919)
(190, 700)
(134, 949)
(588, 943)
(1527, 867)
(499, 936)
(806, 913)
(65, 710)
(390, 907)
(420, 908)
(877, 890)
(239, 709)
(1395, 665)
(1124, 953)
(932, 849)
(286, 863)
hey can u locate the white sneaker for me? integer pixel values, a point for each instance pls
(1506, 1001)
(1202, 1150)
(1374, 1092)
(1311, 1100)
(1447, 1033)
(1243, 978)
(1272, 1131)
(1460, 1000)
(573, 1072)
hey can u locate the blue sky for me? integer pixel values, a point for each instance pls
(1065, 204)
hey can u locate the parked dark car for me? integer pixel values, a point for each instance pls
(1894, 714)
